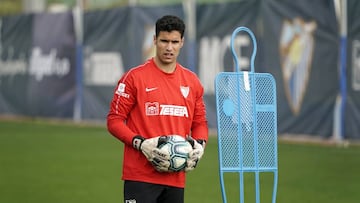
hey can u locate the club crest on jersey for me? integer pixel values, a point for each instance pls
(184, 91)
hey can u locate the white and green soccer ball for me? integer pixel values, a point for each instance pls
(178, 149)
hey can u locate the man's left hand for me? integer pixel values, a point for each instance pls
(196, 154)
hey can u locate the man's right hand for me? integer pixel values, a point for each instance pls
(160, 159)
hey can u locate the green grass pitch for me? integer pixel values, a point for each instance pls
(43, 162)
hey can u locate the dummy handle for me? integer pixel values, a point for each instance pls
(236, 31)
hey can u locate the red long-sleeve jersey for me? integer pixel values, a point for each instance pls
(150, 103)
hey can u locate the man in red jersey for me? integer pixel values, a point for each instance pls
(151, 101)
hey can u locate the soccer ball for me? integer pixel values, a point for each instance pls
(178, 149)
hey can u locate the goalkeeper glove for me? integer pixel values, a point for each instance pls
(196, 154)
(160, 159)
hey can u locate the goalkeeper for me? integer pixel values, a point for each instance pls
(151, 101)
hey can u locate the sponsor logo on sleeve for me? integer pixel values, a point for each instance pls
(121, 90)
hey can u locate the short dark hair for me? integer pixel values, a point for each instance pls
(170, 23)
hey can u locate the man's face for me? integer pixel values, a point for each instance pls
(168, 45)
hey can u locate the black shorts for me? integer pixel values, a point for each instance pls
(140, 192)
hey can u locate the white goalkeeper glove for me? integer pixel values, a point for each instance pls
(196, 154)
(160, 159)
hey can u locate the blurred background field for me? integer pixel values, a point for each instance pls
(46, 161)
(63, 58)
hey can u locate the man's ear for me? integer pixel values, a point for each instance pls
(154, 40)
(182, 41)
